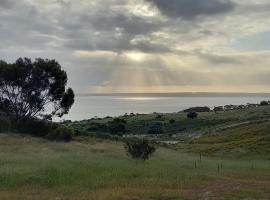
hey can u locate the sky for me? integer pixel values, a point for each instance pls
(129, 46)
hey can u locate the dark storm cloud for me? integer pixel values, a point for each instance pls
(190, 9)
(114, 32)
(128, 23)
(116, 44)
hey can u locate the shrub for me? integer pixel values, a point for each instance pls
(34, 127)
(198, 109)
(117, 126)
(160, 116)
(264, 103)
(48, 130)
(219, 109)
(97, 127)
(172, 121)
(61, 134)
(156, 128)
(139, 149)
(5, 125)
(192, 115)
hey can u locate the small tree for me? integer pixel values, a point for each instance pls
(192, 115)
(264, 103)
(34, 90)
(218, 109)
(139, 149)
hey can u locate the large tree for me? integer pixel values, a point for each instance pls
(34, 89)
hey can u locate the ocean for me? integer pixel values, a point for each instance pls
(101, 105)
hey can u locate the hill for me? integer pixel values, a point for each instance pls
(174, 125)
(242, 140)
(87, 168)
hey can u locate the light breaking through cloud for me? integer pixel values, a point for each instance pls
(145, 45)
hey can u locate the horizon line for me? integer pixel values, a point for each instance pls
(176, 94)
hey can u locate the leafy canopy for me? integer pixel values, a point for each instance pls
(139, 149)
(34, 89)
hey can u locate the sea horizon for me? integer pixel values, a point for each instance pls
(181, 94)
(117, 104)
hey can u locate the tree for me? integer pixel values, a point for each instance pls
(192, 115)
(198, 109)
(264, 103)
(139, 149)
(34, 89)
(218, 109)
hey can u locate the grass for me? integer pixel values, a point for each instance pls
(87, 168)
(243, 140)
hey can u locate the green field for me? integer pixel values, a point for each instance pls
(222, 155)
(87, 168)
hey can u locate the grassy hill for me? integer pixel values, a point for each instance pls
(223, 155)
(243, 140)
(177, 127)
(175, 123)
(86, 168)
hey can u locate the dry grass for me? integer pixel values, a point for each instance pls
(35, 169)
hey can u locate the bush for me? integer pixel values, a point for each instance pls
(48, 130)
(192, 115)
(34, 127)
(97, 127)
(139, 149)
(5, 125)
(198, 109)
(264, 103)
(219, 109)
(160, 116)
(61, 134)
(172, 121)
(117, 126)
(156, 128)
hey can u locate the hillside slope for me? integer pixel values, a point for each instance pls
(247, 139)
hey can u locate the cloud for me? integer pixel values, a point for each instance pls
(7, 4)
(142, 43)
(190, 9)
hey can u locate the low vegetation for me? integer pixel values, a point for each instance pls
(139, 149)
(86, 168)
(243, 140)
(177, 124)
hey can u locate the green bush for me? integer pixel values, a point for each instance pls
(97, 127)
(264, 103)
(192, 115)
(172, 121)
(61, 134)
(156, 128)
(34, 127)
(139, 149)
(48, 130)
(5, 125)
(117, 127)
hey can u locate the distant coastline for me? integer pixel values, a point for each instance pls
(185, 94)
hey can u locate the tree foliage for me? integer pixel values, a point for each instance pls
(139, 148)
(34, 89)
